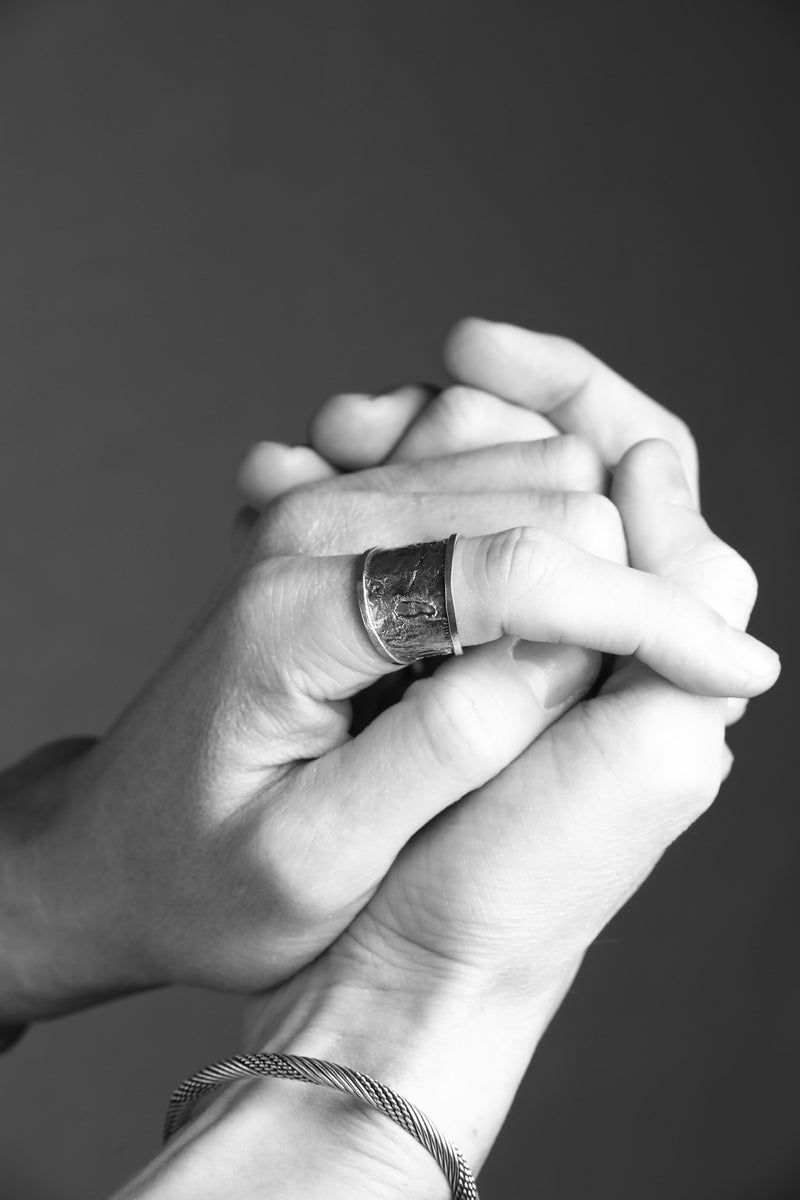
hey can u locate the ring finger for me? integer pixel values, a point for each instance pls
(524, 582)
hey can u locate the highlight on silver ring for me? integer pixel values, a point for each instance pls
(405, 597)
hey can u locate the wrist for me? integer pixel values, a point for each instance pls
(57, 950)
(455, 1054)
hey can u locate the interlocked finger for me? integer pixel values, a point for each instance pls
(667, 535)
(303, 523)
(463, 418)
(532, 585)
(592, 805)
(577, 392)
(354, 430)
(448, 735)
(271, 468)
(524, 582)
(562, 464)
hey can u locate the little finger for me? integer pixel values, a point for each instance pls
(271, 468)
(354, 430)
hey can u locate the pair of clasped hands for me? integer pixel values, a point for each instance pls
(412, 901)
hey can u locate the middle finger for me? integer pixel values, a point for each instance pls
(465, 418)
(356, 520)
(563, 464)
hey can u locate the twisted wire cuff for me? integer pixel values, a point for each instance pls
(341, 1079)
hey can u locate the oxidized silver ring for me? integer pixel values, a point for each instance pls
(406, 600)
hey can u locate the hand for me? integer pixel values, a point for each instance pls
(592, 402)
(445, 982)
(193, 843)
(588, 399)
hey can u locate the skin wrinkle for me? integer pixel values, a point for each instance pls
(744, 592)
(574, 917)
(516, 463)
(334, 806)
(429, 516)
(529, 576)
(466, 729)
(575, 907)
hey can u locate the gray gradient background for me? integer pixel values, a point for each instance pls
(214, 214)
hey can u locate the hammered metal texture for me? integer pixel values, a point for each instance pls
(405, 592)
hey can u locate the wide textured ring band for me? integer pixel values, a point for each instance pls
(406, 600)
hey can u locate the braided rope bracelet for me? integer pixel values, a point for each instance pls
(342, 1079)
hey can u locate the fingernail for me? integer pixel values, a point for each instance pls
(557, 675)
(735, 710)
(760, 662)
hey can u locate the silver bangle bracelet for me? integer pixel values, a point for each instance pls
(342, 1079)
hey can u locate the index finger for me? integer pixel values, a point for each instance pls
(525, 582)
(578, 392)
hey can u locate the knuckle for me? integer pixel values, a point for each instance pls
(459, 408)
(519, 562)
(507, 552)
(580, 466)
(261, 601)
(294, 889)
(453, 726)
(267, 624)
(303, 873)
(733, 582)
(305, 521)
(595, 525)
(742, 580)
(678, 752)
(285, 523)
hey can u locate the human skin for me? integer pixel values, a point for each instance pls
(177, 848)
(195, 843)
(443, 985)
